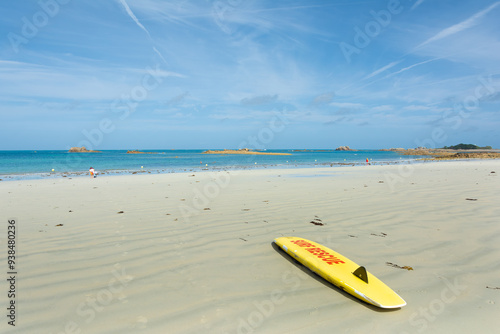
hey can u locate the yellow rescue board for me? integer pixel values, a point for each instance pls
(341, 272)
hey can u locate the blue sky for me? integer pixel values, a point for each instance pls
(263, 74)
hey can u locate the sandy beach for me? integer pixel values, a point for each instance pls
(193, 252)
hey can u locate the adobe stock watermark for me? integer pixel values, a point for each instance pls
(87, 310)
(31, 26)
(266, 135)
(123, 107)
(120, 109)
(220, 180)
(364, 36)
(264, 309)
(404, 171)
(452, 120)
(424, 316)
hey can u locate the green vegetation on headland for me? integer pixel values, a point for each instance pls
(467, 147)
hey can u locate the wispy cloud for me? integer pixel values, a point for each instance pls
(348, 105)
(262, 99)
(392, 74)
(132, 15)
(414, 65)
(382, 69)
(416, 4)
(177, 99)
(323, 99)
(466, 24)
(71, 80)
(414, 107)
(384, 107)
(136, 20)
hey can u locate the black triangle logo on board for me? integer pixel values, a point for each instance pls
(361, 274)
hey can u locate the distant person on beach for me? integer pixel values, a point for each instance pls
(367, 161)
(92, 172)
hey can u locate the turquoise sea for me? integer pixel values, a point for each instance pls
(40, 164)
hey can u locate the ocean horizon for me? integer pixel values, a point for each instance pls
(32, 164)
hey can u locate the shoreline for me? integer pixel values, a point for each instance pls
(210, 168)
(215, 168)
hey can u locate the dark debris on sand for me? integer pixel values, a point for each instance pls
(317, 221)
(399, 267)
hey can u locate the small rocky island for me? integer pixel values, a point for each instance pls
(140, 152)
(344, 148)
(82, 149)
(242, 151)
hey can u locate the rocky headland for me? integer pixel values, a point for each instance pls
(448, 154)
